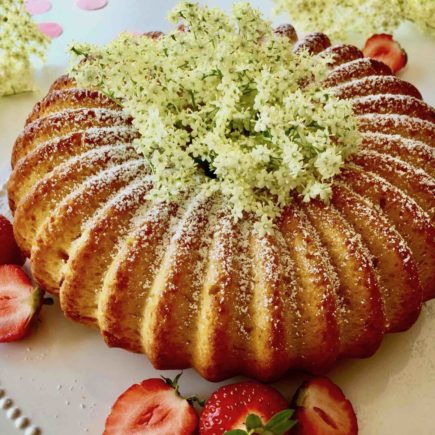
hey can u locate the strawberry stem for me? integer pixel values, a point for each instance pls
(175, 385)
(173, 382)
(48, 301)
(195, 399)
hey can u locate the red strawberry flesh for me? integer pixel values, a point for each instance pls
(322, 409)
(19, 303)
(151, 407)
(384, 48)
(229, 406)
(9, 251)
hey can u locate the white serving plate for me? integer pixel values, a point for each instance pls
(64, 378)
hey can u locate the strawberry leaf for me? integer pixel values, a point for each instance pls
(253, 422)
(281, 422)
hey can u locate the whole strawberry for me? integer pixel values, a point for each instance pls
(246, 408)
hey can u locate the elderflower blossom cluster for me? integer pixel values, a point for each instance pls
(20, 40)
(338, 19)
(422, 13)
(226, 107)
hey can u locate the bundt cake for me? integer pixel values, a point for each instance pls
(185, 284)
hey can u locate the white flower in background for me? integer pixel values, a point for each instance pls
(20, 40)
(341, 18)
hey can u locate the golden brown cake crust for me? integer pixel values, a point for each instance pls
(187, 286)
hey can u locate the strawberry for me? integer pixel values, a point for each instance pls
(322, 409)
(9, 251)
(19, 303)
(384, 48)
(152, 407)
(245, 407)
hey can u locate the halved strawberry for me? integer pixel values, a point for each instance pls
(9, 251)
(241, 407)
(384, 48)
(19, 303)
(152, 407)
(322, 409)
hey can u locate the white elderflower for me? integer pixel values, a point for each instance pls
(220, 109)
(20, 40)
(328, 163)
(340, 18)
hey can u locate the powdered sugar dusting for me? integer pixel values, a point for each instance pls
(413, 180)
(375, 84)
(397, 104)
(414, 152)
(356, 69)
(341, 54)
(401, 124)
(70, 99)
